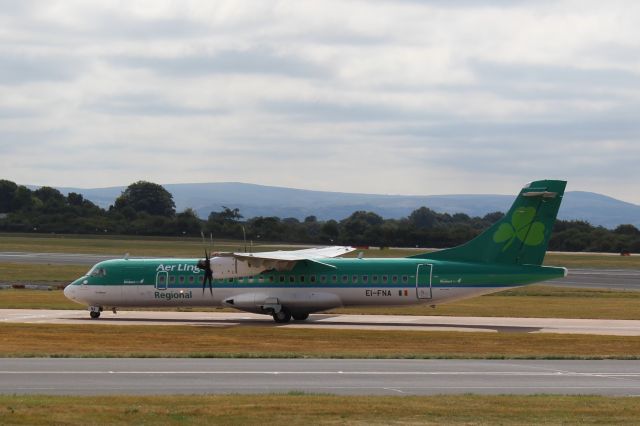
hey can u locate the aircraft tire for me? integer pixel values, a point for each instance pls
(300, 317)
(282, 317)
(94, 314)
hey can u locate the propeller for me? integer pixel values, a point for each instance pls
(205, 265)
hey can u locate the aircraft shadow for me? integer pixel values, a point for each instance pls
(269, 323)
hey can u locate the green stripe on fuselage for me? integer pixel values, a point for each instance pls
(183, 273)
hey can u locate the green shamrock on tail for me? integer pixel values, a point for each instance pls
(521, 227)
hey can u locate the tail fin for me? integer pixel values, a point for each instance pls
(521, 237)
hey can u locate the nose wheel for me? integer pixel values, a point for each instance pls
(94, 311)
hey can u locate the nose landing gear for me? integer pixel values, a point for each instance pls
(94, 311)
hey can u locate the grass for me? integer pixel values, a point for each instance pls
(135, 246)
(192, 247)
(536, 301)
(103, 340)
(51, 273)
(304, 409)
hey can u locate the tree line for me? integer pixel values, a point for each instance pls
(146, 208)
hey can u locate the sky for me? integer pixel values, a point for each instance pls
(394, 97)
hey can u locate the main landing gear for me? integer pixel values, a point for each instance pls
(300, 317)
(284, 316)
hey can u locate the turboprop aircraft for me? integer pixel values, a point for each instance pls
(293, 284)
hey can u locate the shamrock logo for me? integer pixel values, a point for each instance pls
(521, 227)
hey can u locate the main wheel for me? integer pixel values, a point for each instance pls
(300, 317)
(281, 317)
(94, 314)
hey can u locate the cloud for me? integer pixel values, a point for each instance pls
(147, 105)
(384, 96)
(251, 61)
(21, 69)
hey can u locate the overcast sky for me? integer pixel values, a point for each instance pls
(398, 97)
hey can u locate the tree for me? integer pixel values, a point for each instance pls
(7, 194)
(147, 197)
(188, 223)
(423, 218)
(627, 230)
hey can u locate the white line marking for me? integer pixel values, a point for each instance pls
(352, 373)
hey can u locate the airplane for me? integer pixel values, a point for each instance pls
(294, 284)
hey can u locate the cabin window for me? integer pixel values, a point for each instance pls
(292, 278)
(394, 279)
(323, 279)
(374, 278)
(172, 279)
(312, 279)
(281, 278)
(301, 278)
(192, 279)
(181, 279)
(345, 279)
(385, 279)
(271, 278)
(364, 279)
(201, 279)
(230, 280)
(261, 279)
(405, 279)
(354, 279)
(334, 279)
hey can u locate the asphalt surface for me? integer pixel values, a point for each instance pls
(315, 321)
(613, 279)
(56, 258)
(84, 376)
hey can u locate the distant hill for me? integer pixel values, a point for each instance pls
(258, 200)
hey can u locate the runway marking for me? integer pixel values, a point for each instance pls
(351, 373)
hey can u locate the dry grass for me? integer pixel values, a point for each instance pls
(98, 340)
(44, 273)
(135, 246)
(35, 299)
(536, 301)
(302, 409)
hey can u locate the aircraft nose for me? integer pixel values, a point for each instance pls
(69, 291)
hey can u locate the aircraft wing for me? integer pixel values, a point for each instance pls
(286, 259)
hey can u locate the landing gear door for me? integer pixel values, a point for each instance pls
(423, 281)
(161, 280)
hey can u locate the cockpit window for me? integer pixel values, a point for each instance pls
(97, 272)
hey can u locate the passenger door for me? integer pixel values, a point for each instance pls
(423, 281)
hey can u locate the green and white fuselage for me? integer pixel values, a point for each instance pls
(507, 255)
(309, 287)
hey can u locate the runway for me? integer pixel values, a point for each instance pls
(358, 322)
(84, 376)
(612, 279)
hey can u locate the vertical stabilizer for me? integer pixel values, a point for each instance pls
(521, 237)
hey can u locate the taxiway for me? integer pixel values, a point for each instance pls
(337, 376)
(360, 322)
